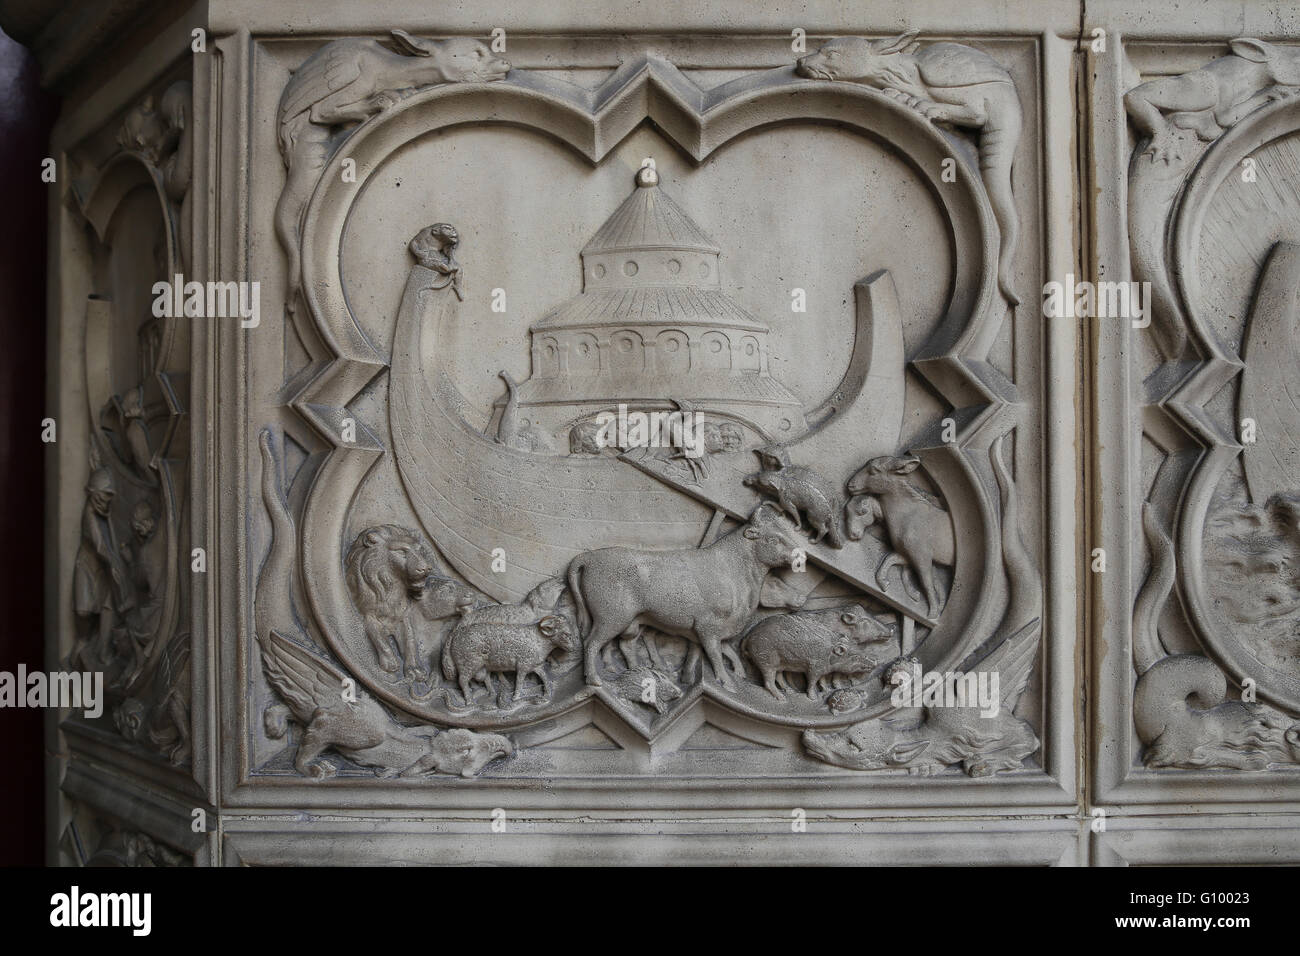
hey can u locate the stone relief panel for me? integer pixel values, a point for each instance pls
(603, 437)
(664, 421)
(130, 586)
(1211, 183)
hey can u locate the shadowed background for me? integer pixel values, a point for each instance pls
(26, 115)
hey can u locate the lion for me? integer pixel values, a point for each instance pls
(390, 572)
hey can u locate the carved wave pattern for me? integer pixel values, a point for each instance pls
(1252, 560)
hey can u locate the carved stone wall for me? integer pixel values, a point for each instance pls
(1197, 684)
(560, 425)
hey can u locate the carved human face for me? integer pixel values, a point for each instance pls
(723, 437)
(101, 501)
(582, 439)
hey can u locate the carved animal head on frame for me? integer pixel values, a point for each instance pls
(879, 63)
(458, 60)
(459, 751)
(1280, 64)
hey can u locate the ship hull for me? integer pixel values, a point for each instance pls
(507, 519)
(474, 495)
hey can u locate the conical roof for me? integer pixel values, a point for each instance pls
(649, 219)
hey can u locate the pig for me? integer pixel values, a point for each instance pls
(800, 490)
(815, 643)
(476, 647)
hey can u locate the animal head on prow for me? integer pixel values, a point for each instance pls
(438, 240)
(880, 63)
(458, 60)
(772, 536)
(386, 566)
(882, 475)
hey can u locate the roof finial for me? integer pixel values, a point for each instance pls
(647, 175)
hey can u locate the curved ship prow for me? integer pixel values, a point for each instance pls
(652, 334)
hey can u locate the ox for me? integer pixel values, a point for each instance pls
(705, 595)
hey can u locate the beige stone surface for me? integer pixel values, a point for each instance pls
(399, 577)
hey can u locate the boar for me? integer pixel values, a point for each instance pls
(817, 644)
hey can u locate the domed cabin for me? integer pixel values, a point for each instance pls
(652, 326)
